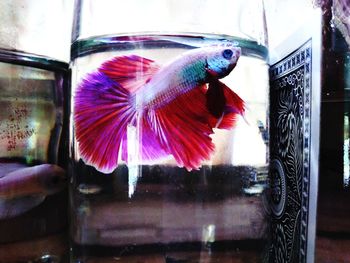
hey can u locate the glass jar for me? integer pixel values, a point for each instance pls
(168, 147)
(33, 195)
(34, 55)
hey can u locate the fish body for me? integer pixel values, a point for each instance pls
(27, 187)
(189, 71)
(171, 81)
(176, 107)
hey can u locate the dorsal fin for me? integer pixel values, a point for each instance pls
(131, 72)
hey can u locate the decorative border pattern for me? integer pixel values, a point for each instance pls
(299, 57)
(290, 114)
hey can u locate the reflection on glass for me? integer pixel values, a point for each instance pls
(346, 119)
(32, 178)
(346, 151)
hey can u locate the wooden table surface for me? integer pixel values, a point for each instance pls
(182, 257)
(32, 250)
(328, 250)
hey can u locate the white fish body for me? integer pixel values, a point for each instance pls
(23, 188)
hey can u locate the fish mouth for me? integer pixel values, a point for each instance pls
(237, 54)
(238, 51)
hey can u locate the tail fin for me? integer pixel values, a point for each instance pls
(104, 106)
(101, 113)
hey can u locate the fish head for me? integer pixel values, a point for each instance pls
(221, 59)
(52, 178)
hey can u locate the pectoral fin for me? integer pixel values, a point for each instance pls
(215, 98)
(224, 105)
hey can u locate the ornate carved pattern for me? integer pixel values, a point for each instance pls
(290, 99)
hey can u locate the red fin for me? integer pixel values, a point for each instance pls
(234, 105)
(182, 128)
(131, 72)
(102, 111)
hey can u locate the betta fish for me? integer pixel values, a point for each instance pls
(175, 107)
(23, 188)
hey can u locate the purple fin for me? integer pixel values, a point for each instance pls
(102, 111)
(105, 106)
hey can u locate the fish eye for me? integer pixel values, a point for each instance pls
(227, 53)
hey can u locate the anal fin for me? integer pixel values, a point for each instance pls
(182, 128)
